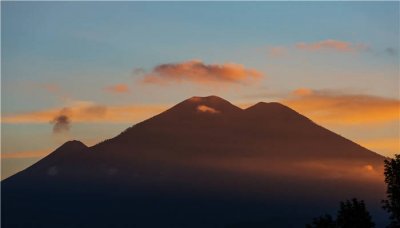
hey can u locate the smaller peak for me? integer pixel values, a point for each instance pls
(73, 145)
(265, 105)
(277, 105)
(274, 110)
(69, 148)
(261, 103)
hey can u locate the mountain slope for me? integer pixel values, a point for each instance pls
(196, 158)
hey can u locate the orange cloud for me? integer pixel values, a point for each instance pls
(335, 45)
(205, 108)
(118, 88)
(89, 112)
(197, 72)
(303, 92)
(25, 154)
(338, 108)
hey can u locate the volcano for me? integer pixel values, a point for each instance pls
(202, 163)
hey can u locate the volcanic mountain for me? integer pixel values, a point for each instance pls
(202, 163)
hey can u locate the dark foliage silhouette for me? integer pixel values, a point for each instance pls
(352, 214)
(392, 179)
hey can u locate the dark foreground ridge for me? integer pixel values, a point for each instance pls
(202, 163)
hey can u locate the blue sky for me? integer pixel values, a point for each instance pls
(80, 48)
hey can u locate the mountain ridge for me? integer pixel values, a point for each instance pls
(187, 111)
(204, 149)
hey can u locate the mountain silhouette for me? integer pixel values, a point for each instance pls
(202, 163)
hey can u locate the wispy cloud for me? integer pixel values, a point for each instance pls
(331, 45)
(25, 154)
(341, 108)
(88, 112)
(117, 89)
(196, 71)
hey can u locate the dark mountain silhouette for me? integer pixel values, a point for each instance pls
(202, 163)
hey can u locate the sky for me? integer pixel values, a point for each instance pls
(89, 70)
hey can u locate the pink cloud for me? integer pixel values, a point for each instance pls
(196, 71)
(118, 88)
(342, 108)
(335, 45)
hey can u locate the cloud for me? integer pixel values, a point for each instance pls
(333, 45)
(329, 45)
(303, 92)
(25, 154)
(206, 109)
(87, 112)
(93, 109)
(340, 108)
(61, 123)
(117, 89)
(196, 71)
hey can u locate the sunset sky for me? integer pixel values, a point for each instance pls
(89, 70)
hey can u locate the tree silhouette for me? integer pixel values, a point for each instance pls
(351, 214)
(392, 179)
(325, 221)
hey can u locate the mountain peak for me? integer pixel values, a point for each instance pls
(208, 104)
(69, 147)
(48, 165)
(270, 106)
(274, 110)
(73, 145)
